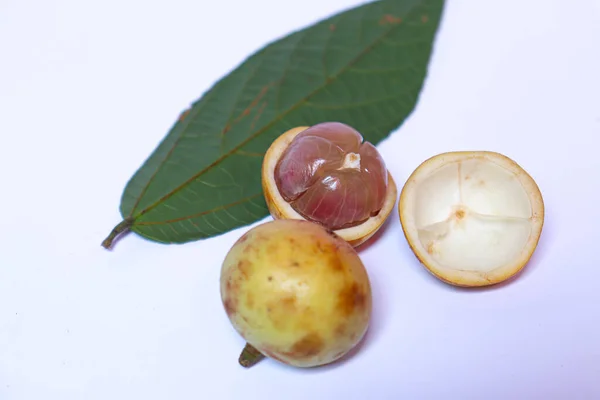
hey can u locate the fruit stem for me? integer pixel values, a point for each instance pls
(250, 356)
(122, 227)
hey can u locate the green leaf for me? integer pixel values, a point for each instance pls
(364, 67)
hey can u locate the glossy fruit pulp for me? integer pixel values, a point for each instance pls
(323, 180)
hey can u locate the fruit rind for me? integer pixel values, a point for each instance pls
(296, 293)
(456, 276)
(280, 209)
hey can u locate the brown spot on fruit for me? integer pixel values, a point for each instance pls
(229, 305)
(424, 18)
(269, 278)
(467, 177)
(250, 301)
(336, 264)
(233, 287)
(309, 346)
(341, 330)
(351, 298)
(318, 245)
(242, 238)
(295, 264)
(288, 303)
(304, 324)
(249, 248)
(324, 248)
(332, 27)
(245, 268)
(282, 311)
(481, 182)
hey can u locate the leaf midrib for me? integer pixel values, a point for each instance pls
(186, 121)
(201, 213)
(262, 130)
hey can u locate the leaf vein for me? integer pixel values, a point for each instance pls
(278, 118)
(200, 214)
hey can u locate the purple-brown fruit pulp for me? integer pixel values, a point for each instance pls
(330, 176)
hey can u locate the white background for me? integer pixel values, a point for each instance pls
(88, 89)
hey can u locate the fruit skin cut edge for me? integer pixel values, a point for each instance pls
(464, 274)
(280, 209)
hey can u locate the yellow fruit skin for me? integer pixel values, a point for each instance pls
(297, 293)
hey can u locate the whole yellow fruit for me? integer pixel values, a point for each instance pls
(296, 292)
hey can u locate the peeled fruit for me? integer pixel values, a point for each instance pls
(327, 174)
(472, 218)
(296, 292)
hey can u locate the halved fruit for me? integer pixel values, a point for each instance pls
(328, 175)
(472, 218)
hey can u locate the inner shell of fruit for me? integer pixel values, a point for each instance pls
(330, 176)
(473, 215)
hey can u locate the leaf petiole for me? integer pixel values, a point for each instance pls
(122, 227)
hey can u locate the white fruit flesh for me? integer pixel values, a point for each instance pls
(472, 218)
(351, 160)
